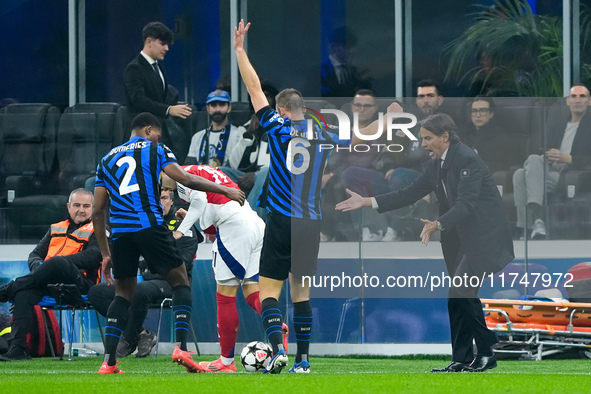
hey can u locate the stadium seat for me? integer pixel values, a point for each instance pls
(180, 132)
(28, 149)
(201, 121)
(86, 133)
(239, 118)
(27, 167)
(119, 125)
(241, 106)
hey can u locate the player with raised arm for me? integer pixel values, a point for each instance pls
(293, 200)
(129, 178)
(236, 252)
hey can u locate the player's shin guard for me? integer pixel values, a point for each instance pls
(272, 322)
(182, 305)
(254, 301)
(227, 324)
(302, 326)
(116, 320)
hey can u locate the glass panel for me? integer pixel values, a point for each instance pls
(35, 68)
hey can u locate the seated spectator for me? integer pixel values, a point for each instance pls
(68, 253)
(429, 98)
(152, 290)
(220, 144)
(569, 143)
(337, 225)
(491, 143)
(394, 171)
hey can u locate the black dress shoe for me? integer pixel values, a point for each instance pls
(482, 363)
(15, 353)
(453, 367)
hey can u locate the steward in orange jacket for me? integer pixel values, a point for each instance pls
(77, 241)
(68, 253)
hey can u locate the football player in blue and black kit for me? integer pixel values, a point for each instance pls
(293, 200)
(129, 177)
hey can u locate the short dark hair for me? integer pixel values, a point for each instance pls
(425, 83)
(439, 124)
(343, 37)
(145, 119)
(489, 100)
(290, 99)
(169, 191)
(365, 92)
(158, 31)
(81, 190)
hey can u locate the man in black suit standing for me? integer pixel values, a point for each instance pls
(475, 235)
(146, 86)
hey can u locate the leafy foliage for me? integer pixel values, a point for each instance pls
(509, 51)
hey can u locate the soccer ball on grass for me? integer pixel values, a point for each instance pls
(255, 356)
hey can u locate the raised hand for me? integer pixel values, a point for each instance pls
(239, 33)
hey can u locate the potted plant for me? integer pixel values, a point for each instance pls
(510, 51)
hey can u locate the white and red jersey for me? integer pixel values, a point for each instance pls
(210, 173)
(209, 208)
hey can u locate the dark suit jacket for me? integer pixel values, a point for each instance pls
(494, 145)
(144, 91)
(581, 150)
(472, 215)
(330, 86)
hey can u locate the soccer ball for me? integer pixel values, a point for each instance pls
(255, 356)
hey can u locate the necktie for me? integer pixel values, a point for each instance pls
(343, 75)
(157, 69)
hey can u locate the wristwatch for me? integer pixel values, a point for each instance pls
(439, 226)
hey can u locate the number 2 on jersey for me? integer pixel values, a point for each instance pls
(125, 187)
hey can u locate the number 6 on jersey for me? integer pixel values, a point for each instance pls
(298, 146)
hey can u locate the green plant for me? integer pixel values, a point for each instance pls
(511, 51)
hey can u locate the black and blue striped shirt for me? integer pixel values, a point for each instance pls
(131, 174)
(297, 164)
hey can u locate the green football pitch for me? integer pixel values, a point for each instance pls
(329, 375)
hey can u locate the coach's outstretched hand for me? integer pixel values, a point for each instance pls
(235, 194)
(354, 202)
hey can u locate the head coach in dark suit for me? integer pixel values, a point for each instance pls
(146, 86)
(475, 235)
